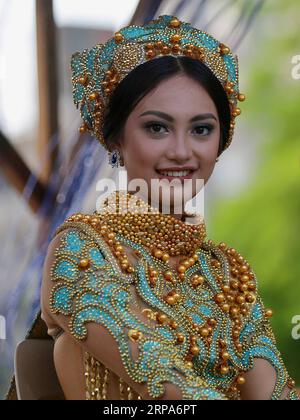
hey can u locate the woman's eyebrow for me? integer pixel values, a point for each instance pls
(158, 114)
(201, 117)
(167, 117)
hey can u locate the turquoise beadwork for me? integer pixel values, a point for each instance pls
(102, 294)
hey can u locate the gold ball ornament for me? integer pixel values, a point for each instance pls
(170, 300)
(93, 96)
(134, 335)
(168, 275)
(83, 129)
(224, 370)
(268, 313)
(195, 350)
(180, 338)
(241, 97)
(241, 380)
(83, 80)
(119, 37)
(84, 263)
(161, 318)
(175, 39)
(204, 332)
(175, 23)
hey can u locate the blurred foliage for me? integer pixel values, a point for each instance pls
(262, 222)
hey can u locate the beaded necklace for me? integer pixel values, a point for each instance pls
(142, 224)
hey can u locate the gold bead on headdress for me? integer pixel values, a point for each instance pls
(97, 72)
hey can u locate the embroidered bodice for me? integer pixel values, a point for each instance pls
(203, 340)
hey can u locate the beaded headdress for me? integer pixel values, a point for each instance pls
(97, 72)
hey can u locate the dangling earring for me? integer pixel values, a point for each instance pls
(115, 159)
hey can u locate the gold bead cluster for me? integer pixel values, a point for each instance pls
(110, 81)
(110, 237)
(160, 318)
(224, 368)
(204, 332)
(160, 48)
(236, 295)
(163, 234)
(183, 266)
(118, 250)
(237, 289)
(236, 299)
(224, 50)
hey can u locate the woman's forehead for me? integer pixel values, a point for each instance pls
(179, 93)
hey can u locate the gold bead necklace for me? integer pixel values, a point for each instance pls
(163, 234)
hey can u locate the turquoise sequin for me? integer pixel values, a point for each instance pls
(73, 243)
(62, 299)
(65, 269)
(97, 257)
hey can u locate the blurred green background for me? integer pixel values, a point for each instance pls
(262, 219)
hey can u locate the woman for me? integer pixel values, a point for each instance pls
(141, 304)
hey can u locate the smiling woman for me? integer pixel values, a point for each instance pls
(140, 303)
(148, 125)
(161, 139)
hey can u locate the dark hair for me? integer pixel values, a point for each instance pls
(146, 77)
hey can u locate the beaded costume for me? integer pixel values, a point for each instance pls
(210, 322)
(199, 326)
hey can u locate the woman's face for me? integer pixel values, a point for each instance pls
(174, 126)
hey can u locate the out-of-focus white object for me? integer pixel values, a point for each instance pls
(107, 14)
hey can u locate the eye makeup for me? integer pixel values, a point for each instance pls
(158, 128)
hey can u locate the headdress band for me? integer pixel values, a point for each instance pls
(97, 72)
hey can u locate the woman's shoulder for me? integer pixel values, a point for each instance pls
(84, 245)
(80, 269)
(232, 264)
(76, 232)
(78, 246)
(88, 224)
(234, 281)
(76, 251)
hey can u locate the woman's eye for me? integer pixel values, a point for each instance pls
(203, 130)
(156, 128)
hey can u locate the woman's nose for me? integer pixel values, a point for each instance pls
(179, 148)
